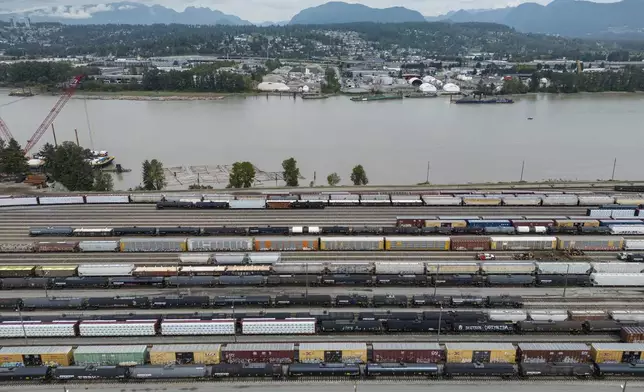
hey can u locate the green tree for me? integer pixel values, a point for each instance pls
(12, 159)
(103, 182)
(242, 175)
(69, 165)
(153, 175)
(331, 83)
(291, 172)
(359, 176)
(514, 86)
(333, 179)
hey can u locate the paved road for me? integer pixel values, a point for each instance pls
(346, 386)
(15, 222)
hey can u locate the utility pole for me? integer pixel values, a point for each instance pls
(624, 386)
(76, 133)
(306, 293)
(613, 176)
(234, 318)
(566, 280)
(22, 323)
(522, 167)
(438, 268)
(54, 132)
(440, 321)
(428, 168)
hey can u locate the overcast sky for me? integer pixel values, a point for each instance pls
(278, 10)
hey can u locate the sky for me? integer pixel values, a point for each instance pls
(277, 10)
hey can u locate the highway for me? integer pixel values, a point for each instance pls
(15, 221)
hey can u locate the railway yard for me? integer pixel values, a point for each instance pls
(434, 289)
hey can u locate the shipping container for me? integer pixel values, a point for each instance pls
(335, 352)
(36, 356)
(281, 244)
(470, 243)
(489, 223)
(633, 334)
(590, 243)
(415, 243)
(153, 245)
(113, 355)
(446, 267)
(270, 326)
(214, 244)
(555, 268)
(617, 352)
(118, 328)
(63, 200)
(282, 353)
(480, 352)
(386, 268)
(615, 222)
(617, 280)
(146, 198)
(195, 327)
(508, 267)
(548, 315)
(553, 352)
(451, 223)
(37, 328)
(105, 270)
(185, 354)
(247, 204)
(523, 243)
(599, 213)
(396, 352)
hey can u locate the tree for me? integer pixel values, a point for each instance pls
(69, 165)
(153, 175)
(242, 175)
(291, 172)
(359, 176)
(331, 83)
(13, 161)
(103, 182)
(333, 179)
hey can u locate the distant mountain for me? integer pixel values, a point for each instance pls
(564, 17)
(340, 12)
(126, 13)
(266, 24)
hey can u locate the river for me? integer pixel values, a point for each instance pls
(569, 137)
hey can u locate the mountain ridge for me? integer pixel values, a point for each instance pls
(335, 12)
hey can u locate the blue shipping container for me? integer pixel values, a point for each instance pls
(489, 223)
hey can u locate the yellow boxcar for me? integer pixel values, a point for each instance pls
(616, 352)
(16, 271)
(167, 354)
(56, 270)
(576, 222)
(432, 223)
(453, 223)
(481, 352)
(36, 356)
(333, 352)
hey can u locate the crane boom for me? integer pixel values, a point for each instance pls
(4, 131)
(53, 113)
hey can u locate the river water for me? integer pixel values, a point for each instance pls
(569, 137)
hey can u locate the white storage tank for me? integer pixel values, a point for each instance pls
(451, 88)
(189, 327)
(427, 88)
(118, 328)
(268, 326)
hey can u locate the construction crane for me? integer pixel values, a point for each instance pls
(48, 120)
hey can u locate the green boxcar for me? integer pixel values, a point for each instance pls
(111, 355)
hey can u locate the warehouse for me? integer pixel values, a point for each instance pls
(111, 355)
(480, 353)
(333, 352)
(282, 353)
(184, 354)
(36, 356)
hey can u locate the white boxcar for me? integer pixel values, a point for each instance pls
(548, 315)
(299, 268)
(417, 243)
(146, 197)
(627, 315)
(208, 244)
(459, 267)
(626, 229)
(35, 328)
(406, 200)
(264, 258)
(618, 214)
(560, 200)
(628, 201)
(18, 201)
(510, 267)
(118, 328)
(188, 327)
(633, 244)
(608, 280)
(268, 326)
(183, 197)
(107, 199)
(507, 315)
(352, 243)
(442, 200)
(523, 243)
(105, 269)
(248, 204)
(99, 246)
(599, 213)
(618, 268)
(196, 258)
(133, 244)
(350, 267)
(62, 200)
(384, 268)
(595, 200)
(577, 268)
(521, 201)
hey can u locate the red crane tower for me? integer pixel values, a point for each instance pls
(69, 91)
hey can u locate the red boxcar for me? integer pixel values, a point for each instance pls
(408, 352)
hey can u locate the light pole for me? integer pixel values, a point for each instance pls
(22, 324)
(46, 284)
(566, 280)
(234, 318)
(440, 320)
(438, 268)
(623, 386)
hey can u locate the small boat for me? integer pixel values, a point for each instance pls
(314, 96)
(100, 159)
(367, 98)
(433, 95)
